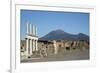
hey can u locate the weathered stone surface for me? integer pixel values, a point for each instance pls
(47, 47)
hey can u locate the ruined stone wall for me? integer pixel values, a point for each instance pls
(61, 45)
(23, 45)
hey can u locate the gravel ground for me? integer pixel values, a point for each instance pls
(62, 56)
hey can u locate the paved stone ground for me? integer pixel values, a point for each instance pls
(62, 56)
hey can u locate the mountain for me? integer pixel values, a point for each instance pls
(82, 36)
(62, 35)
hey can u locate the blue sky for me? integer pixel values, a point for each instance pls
(46, 21)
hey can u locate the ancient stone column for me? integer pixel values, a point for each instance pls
(30, 29)
(27, 46)
(27, 28)
(30, 46)
(55, 47)
(33, 30)
(36, 45)
(33, 47)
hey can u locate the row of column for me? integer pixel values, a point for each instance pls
(31, 46)
(31, 29)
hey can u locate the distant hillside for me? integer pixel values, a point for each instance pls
(61, 35)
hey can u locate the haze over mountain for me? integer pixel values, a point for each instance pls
(62, 35)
